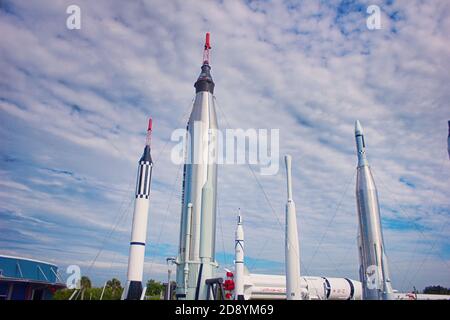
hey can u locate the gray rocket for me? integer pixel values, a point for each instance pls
(374, 273)
(196, 255)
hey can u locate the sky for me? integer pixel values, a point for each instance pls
(74, 106)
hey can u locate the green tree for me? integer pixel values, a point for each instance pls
(89, 294)
(63, 294)
(154, 288)
(436, 290)
(85, 282)
(114, 284)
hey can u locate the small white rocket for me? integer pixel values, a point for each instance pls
(292, 252)
(239, 260)
(133, 289)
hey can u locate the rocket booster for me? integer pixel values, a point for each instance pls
(239, 260)
(292, 252)
(133, 289)
(199, 190)
(374, 271)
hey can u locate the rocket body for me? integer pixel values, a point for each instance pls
(448, 139)
(374, 271)
(199, 189)
(133, 289)
(239, 260)
(292, 252)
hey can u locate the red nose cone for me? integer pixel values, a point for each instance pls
(207, 43)
(149, 124)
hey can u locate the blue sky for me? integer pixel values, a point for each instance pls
(74, 103)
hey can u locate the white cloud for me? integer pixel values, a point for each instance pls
(82, 98)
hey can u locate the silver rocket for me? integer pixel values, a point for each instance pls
(133, 289)
(196, 256)
(239, 260)
(292, 252)
(374, 273)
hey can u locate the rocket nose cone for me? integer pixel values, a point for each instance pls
(205, 74)
(358, 128)
(205, 81)
(288, 158)
(150, 124)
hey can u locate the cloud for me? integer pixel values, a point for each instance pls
(73, 108)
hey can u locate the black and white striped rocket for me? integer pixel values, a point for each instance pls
(134, 289)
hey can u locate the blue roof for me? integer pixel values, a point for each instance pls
(27, 269)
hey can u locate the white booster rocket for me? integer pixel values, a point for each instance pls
(133, 289)
(196, 255)
(374, 273)
(292, 252)
(239, 260)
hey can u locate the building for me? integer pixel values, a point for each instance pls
(28, 279)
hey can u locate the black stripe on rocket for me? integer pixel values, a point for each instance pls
(144, 178)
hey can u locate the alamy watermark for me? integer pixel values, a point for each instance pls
(74, 279)
(373, 21)
(73, 21)
(229, 146)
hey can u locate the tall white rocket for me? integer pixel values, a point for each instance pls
(196, 261)
(133, 289)
(374, 271)
(292, 251)
(448, 139)
(239, 260)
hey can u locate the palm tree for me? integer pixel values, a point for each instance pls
(114, 284)
(85, 282)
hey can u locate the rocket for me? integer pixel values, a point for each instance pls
(374, 273)
(196, 261)
(448, 139)
(292, 252)
(133, 289)
(239, 260)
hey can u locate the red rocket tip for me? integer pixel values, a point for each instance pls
(207, 41)
(149, 132)
(150, 123)
(207, 48)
